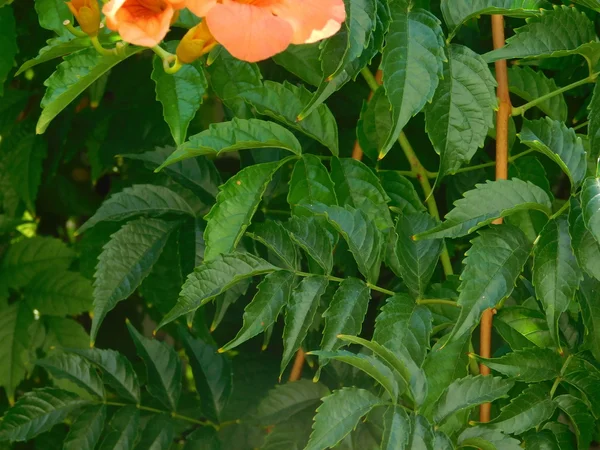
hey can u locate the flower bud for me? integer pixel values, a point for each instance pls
(87, 13)
(197, 42)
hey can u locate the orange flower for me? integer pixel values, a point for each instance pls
(196, 42)
(87, 13)
(254, 30)
(141, 22)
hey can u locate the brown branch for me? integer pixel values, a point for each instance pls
(296, 372)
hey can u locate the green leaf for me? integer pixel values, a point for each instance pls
(357, 186)
(59, 293)
(8, 44)
(590, 312)
(283, 102)
(299, 315)
(139, 200)
(541, 440)
(75, 369)
(338, 415)
(402, 193)
(374, 124)
(581, 419)
(528, 410)
(461, 112)
(56, 48)
(486, 439)
(239, 134)
(530, 365)
(345, 313)
(458, 12)
(310, 183)
(586, 378)
(590, 204)
(36, 412)
(273, 294)
(122, 430)
(414, 51)
(310, 234)
(64, 332)
(404, 326)
(585, 246)
(163, 368)
(158, 434)
(563, 435)
(287, 400)
(561, 31)
(124, 263)
(529, 325)
(468, 392)
(592, 4)
(594, 125)
(116, 369)
(15, 323)
(559, 143)
(73, 76)
(531, 85)
(416, 259)
(212, 374)
(303, 61)
(52, 14)
(556, 274)
(181, 95)
(213, 278)
(236, 204)
(359, 231)
(487, 202)
(278, 241)
(86, 430)
(397, 428)
(529, 168)
(492, 267)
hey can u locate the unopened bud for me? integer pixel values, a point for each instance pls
(197, 42)
(87, 13)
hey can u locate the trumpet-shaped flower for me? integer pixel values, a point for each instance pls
(87, 13)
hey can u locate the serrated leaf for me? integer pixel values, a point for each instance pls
(212, 374)
(404, 326)
(122, 430)
(283, 102)
(559, 143)
(528, 410)
(586, 378)
(181, 95)
(236, 204)
(541, 440)
(278, 241)
(75, 369)
(64, 332)
(8, 43)
(594, 125)
(402, 193)
(56, 48)
(52, 14)
(310, 183)
(273, 294)
(414, 51)
(556, 274)
(158, 434)
(357, 186)
(213, 278)
(563, 435)
(529, 325)
(460, 114)
(139, 200)
(163, 368)
(492, 267)
(581, 419)
(86, 429)
(590, 202)
(364, 239)
(530, 365)
(397, 428)
(531, 85)
(300, 313)
(338, 415)
(59, 293)
(561, 31)
(124, 263)
(374, 124)
(487, 439)
(530, 168)
(585, 246)
(303, 61)
(468, 392)
(116, 369)
(310, 234)
(73, 76)
(590, 312)
(36, 412)
(487, 202)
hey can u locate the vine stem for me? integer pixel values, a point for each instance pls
(437, 301)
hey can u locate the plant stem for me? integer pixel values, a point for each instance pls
(437, 301)
(562, 209)
(370, 79)
(204, 423)
(520, 110)
(74, 31)
(555, 386)
(100, 49)
(339, 280)
(581, 125)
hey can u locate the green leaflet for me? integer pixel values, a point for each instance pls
(487, 202)
(122, 430)
(531, 365)
(461, 111)
(559, 143)
(59, 293)
(236, 203)
(589, 206)
(581, 419)
(397, 427)
(57, 48)
(124, 263)
(592, 4)
(310, 183)
(586, 378)
(273, 294)
(158, 434)
(338, 415)
(402, 193)
(539, 440)
(531, 85)
(492, 266)
(523, 327)
(85, 432)
(303, 61)
(75, 74)
(213, 278)
(52, 14)
(590, 312)
(487, 439)
(310, 234)
(556, 274)
(181, 95)
(75, 369)
(239, 134)
(163, 368)
(279, 243)
(468, 392)
(374, 124)
(8, 43)
(64, 332)
(594, 125)
(585, 246)
(414, 51)
(563, 435)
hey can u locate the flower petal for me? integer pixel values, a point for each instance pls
(312, 20)
(250, 33)
(146, 30)
(200, 7)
